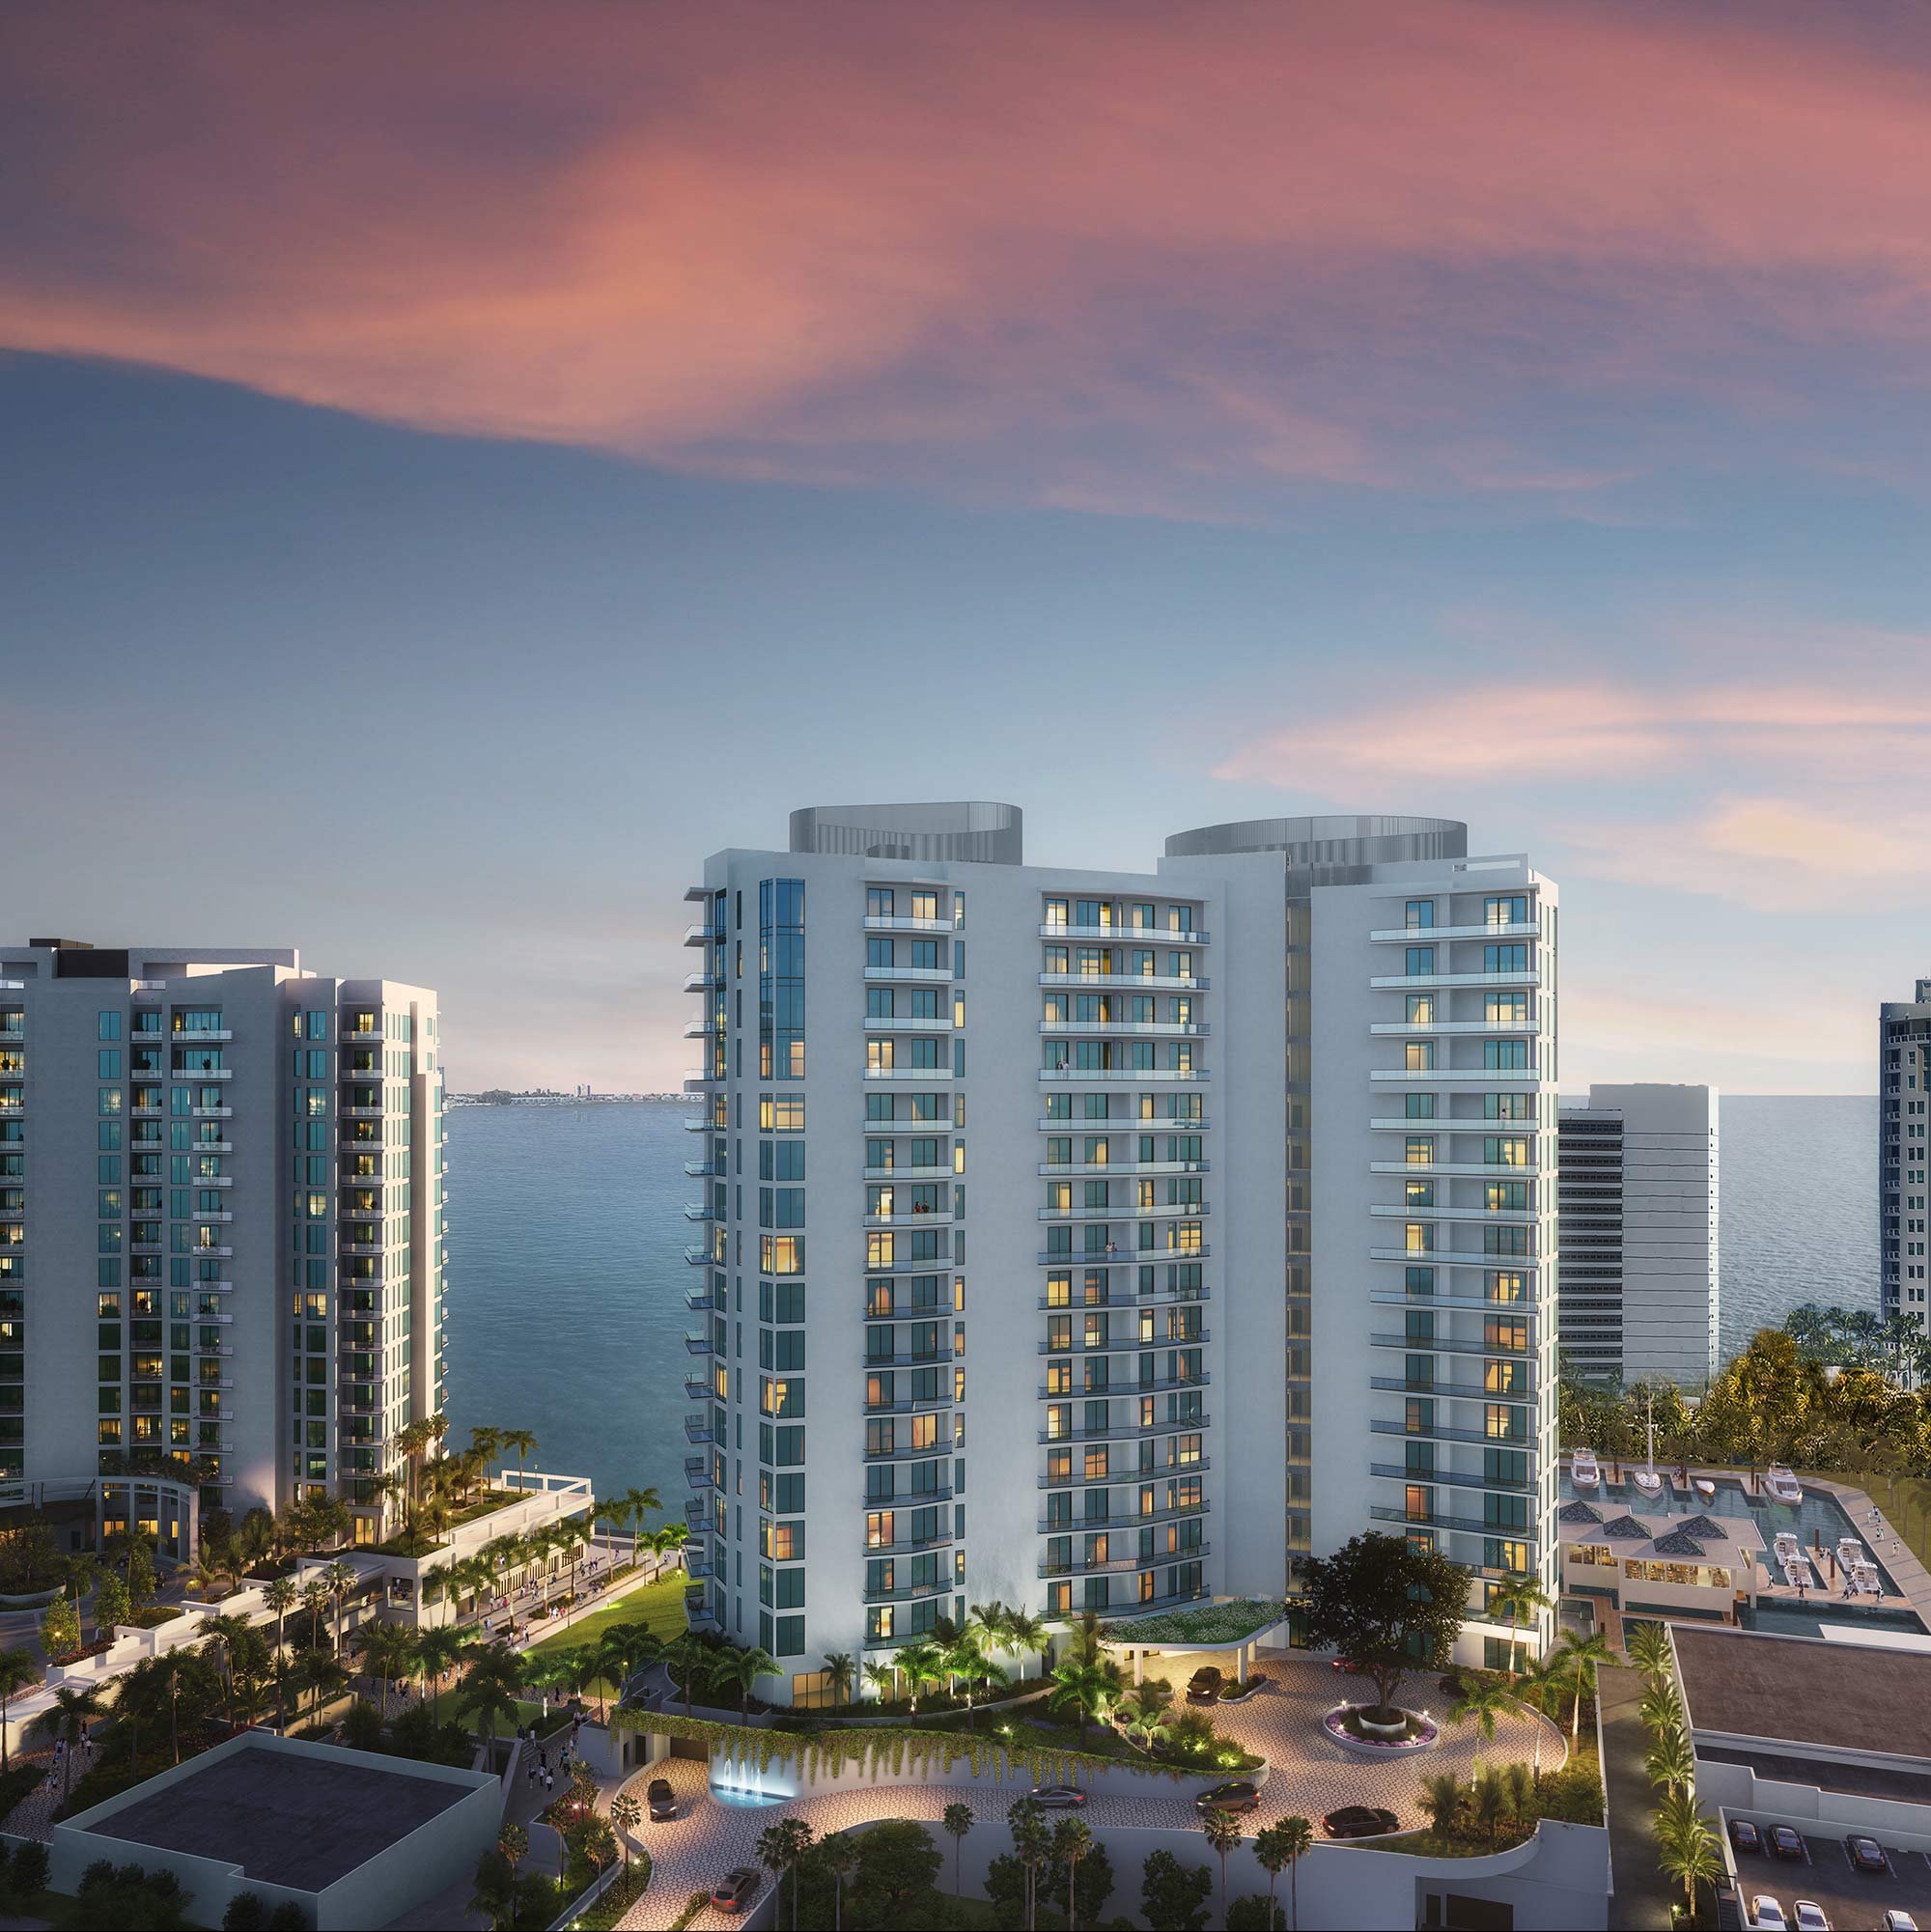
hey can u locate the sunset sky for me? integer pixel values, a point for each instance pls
(458, 467)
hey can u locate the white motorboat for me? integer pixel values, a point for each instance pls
(1706, 1490)
(1781, 1485)
(1646, 1479)
(1797, 1573)
(1786, 1545)
(1584, 1472)
(1850, 1553)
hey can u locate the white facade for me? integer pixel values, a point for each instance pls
(1047, 1216)
(220, 1221)
(1639, 1240)
(1904, 1093)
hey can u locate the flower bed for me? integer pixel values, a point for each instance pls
(1212, 1627)
(1343, 1723)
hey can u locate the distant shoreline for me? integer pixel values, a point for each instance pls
(564, 1099)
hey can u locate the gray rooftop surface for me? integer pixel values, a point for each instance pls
(287, 1820)
(1833, 1696)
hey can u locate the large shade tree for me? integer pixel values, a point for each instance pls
(1391, 1607)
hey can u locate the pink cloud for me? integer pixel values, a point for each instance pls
(1138, 257)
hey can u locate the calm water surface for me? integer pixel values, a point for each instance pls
(566, 1274)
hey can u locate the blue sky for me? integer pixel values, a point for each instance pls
(457, 497)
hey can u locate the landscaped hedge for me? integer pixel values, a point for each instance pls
(877, 1752)
(1212, 1627)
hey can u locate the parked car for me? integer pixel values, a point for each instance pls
(1746, 1836)
(1867, 1854)
(736, 1889)
(1239, 1796)
(1204, 1686)
(1786, 1842)
(1058, 1797)
(1347, 1665)
(1896, 1921)
(1359, 1821)
(1766, 1913)
(662, 1800)
(1810, 1916)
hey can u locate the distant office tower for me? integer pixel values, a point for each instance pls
(1904, 1081)
(1639, 1244)
(220, 1224)
(1202, 1127)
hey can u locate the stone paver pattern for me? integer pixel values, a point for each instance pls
(1311, 1774)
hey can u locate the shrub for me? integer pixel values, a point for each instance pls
(31, 1867)
(1251, 1915)
(1173, 1897)
(287, 1916)
(1573, 1795)
(97, 1875)
(362, 1726)
(245, 1913)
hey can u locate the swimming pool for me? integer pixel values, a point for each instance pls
(1783, 1619)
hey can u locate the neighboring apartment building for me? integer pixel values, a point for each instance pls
(221, 1249)
(1640, 1243)
(1904, 1088)
(1045, 1225)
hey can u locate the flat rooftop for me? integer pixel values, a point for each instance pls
(284, 1818)
(1802, 1690)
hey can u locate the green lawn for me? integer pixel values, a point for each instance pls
(658, 1605)
(1908, 1511)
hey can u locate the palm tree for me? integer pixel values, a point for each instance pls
(1670, 1760)
(1647, 1647)
(1582, 1655)
(1489, 1801)
(781, 1846)
(1285, 1842)
(1686, 1846)
(323, 1675)
(837, 1854)
(1072, 1841)
(921, 1664)
(1441, 1798)
(883, 1678)
(1481, 1702)
(1026, 1633)
(315, 1597)
(684, 1656)
(280, 1595)
(223, 1634)
(437, 1648)
(524, 1445)
(1519, 1784)
(840, 1668)
(1661, 1710)
(1517, 1597)
(488, 1689)
(625, 1814)
(1223, 1836)
(1085, 1688)
(957, 1820)
(17, 1671)
(741, 1669)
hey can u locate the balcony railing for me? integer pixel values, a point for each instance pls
(1424, 936)
(1448, 1480)
(1115, 1390)
(1125, 1298)
(1179, 1210)
(698, 1345)
(1054, 1170)
(1116, 1257)
(1127, 1431)
(1418, 981)
(1117, 1524)
(1098, 1075)
(1140, 982)
(1198, 1466)
(1127, 935)
(1081, 1566)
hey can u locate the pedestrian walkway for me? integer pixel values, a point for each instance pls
(1642, 1895)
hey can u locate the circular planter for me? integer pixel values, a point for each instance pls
(1385, 1740)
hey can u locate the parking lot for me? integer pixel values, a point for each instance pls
(1852, 1900)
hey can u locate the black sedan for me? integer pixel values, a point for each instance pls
(1239, 1796)
(1058, 1797)
(662, 1799)
(1204, 1686)
(736, 1889)
(1746, 1836)
(1867, 1854)
(1786, 1842)
(1359, 1821)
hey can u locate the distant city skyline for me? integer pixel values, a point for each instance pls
(1217, 416)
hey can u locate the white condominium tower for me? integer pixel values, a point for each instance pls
(220, 1224)
(1639, 1201)
(1904, 1088)
(1077, 1239)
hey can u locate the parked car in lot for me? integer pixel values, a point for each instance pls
(1204, 1686)
(1867, 1854)
(1746, 1836)
(662, 1799)
(1238, 1796)
(1786, 1842)
(737, 1889)
(1898, 1921)
(1058, 1797)
(1359, 1821)
(1766, 1913)
(1810, 1916)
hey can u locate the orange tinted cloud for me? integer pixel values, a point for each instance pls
(1132, 256)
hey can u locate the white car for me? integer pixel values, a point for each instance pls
(1899, 1921)
(1765, 1911)
(1811, 1918)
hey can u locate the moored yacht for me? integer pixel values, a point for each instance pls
(1582, 1470)
(1780, 1483)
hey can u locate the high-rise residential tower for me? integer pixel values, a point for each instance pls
(1904, 1087)
(1639, 1245)
(1049, 1214)
(221, 1251)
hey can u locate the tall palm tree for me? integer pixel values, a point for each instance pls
(1517, 1597)
(1085, 1688)
(882, 1677)
(1647, 1647)
(524, 1443)
(625, 1814)
(1285, 1842)
(1481, 1702)
(1223, 1835)
(1686, 1845)
(1582, 1655)
(315, 1599)
(1489, 1801)
(280, 1595)
(837, 1855)
(437, 1649)
(1026, 1633)
(322, 1676)
(1670, 1760)
(1072, 1841)
(17, 1671)
(686, 1657)
(73, 1705)
(780, 1847)
(920, 1662)
(1519, 1782)
(223, 1634)
(957, 1820)
(840, 1668)
(490, 1686)
(341, 1579)
(741, 1669)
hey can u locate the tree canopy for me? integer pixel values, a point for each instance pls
(1387, 1606)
